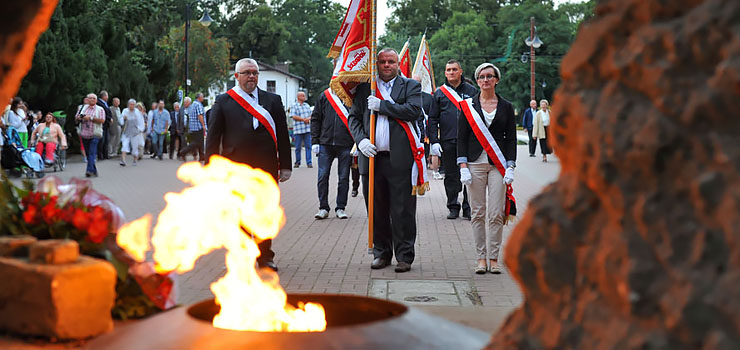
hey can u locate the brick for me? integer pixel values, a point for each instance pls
(54, 251)
(15, 245)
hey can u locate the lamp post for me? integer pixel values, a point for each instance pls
(206, 21)
(533, 42)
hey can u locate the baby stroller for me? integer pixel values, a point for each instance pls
(19, 160)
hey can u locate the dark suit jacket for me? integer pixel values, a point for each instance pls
(503, 130)
(528, 119)
(108, 113)
(176, 122)
(407, 107)
(230, 127)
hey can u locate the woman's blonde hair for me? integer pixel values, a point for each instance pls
(140, 105)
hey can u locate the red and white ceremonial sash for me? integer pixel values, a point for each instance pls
(257, 111)
(419, 183)
(338, 106)
(452, 95)
(481, 132)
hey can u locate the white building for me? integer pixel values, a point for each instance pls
(272, 79)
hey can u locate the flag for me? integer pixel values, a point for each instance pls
(423, 67)
(405, 61)
(352, 49)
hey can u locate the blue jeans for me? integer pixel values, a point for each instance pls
(157, 143)
(91, 147)
(326, 157)
(304, 138)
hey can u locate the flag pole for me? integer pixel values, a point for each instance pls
(371, 180)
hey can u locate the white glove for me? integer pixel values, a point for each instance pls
(509, 176)
(373, 103)
(465, 177)
(436, 150)
(315, 149)
(284, 174)
(367, 148)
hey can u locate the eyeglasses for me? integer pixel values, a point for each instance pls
(253, 73)
(487, 77)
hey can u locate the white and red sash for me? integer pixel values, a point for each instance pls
(481, 132)
(419, 183)
(338, 106)
(452, 95)
(257, 111)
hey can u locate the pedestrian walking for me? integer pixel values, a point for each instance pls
(91, 121)
(486, 152)
(541, 128)
(131, 135)
(300, 112)
(528, 124)
(248, 125)
(103, 144)
(143, 134)
(177, 130)
(160, 124)
(17, 119)
(331, 140)
(114, 130)
(196, 128)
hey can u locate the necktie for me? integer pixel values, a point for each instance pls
(251, 95)
(255, 122)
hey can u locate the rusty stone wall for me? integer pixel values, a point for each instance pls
(21, 24)
(637, 245)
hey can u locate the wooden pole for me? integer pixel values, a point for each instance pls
(371, 180)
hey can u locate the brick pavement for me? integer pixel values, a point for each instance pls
(330, 256)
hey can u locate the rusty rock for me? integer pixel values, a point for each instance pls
(69, 301)
(635, 246)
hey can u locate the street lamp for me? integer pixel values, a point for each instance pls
(206, 21)
(534, 42)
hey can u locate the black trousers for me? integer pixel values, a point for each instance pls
(355, 178)
(195, 145)
(532, 143)
(453, 187)
(544, 146)
(103, 144)
(395, 211)
(173, 137)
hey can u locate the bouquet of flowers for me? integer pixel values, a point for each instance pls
(54, 210)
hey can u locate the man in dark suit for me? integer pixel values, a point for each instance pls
(248, 138)
(177, 131)
(395, 206)
(527, 123)
(103, 144)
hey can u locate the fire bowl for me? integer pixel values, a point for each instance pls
(353, 322)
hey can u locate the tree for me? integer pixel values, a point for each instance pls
(208, 56)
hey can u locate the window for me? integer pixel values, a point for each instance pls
(271, 86)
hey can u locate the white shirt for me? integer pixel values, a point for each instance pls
(382, 128)
(545, 117)
(488, 118)
(15, 119)
(254, 99)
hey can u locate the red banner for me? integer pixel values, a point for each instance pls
(353, 62)
(404, 64)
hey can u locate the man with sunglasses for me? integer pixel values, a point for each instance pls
(249, 125)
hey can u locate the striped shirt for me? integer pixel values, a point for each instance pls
(87, 127)
(302, 110)
(195, 109)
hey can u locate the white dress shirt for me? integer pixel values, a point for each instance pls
(382, 128)
(253, 99)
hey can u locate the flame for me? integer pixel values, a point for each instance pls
(133, 237)
(225, 200)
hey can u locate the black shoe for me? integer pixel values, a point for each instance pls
(453, 215)
(296, 165)
(466, 214)
(379, 263)
(532, 155)
(354, 193)
(87, 174)
(269, 264)
(309, 166)
(402, 266)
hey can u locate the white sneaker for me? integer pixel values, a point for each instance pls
(341, 214)
(322, 214)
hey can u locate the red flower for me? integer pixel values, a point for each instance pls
(50, 212)
(99, 226)
(81, 219)
(30, 216)
(67, 214)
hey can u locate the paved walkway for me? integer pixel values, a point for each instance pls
(330, 256)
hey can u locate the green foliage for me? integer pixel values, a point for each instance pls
(208, 56)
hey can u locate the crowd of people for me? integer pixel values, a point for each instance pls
(468, 132)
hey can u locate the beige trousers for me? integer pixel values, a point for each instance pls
(487, 181)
